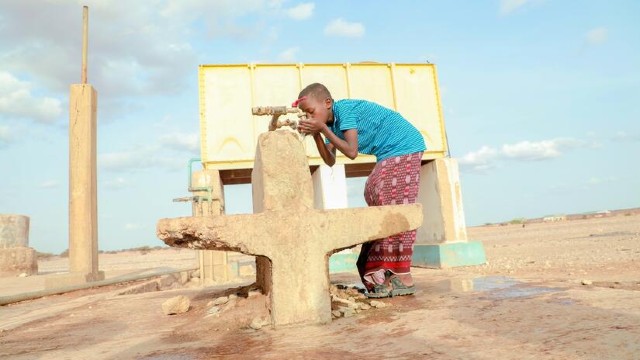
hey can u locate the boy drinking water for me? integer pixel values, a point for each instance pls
(360, 126)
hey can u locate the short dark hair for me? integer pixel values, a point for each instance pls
(317, 91)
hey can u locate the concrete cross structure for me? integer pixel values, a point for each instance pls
(291, 239)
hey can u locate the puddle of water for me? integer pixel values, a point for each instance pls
(498, 287)
(488, 283)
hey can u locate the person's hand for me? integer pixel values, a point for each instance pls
(310, 126)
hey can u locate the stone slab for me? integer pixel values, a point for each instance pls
(71, 279)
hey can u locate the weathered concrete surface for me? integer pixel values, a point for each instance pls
(16, 257)
(83, 198)
(286, 229)
(441, 241)
(18, 260)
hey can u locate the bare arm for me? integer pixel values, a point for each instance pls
(349, 146)
(327, 151)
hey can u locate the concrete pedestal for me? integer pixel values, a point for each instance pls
(16, 257)
(442, 240)
(330, 192)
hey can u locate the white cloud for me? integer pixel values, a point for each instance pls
(289, 54)
(480, 160)
(540, 150)
(49, 184)
(600, 181)
(17, 100)
(117, 183)
(182, 142)
(301, 11)
(140, 160)
(124, 160)
(597, 36)
(135, 48)
(5, 135)
(509, 6)
(619, 136)
(131, 226)
(488, 157)
(340, 27)
(527, 150)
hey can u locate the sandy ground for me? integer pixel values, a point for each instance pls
(564, 290)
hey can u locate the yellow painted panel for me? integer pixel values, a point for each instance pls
(373, 83)
(228, 92)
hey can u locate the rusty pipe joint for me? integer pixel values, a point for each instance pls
(276, 112)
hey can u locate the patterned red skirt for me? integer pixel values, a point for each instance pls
(393, 181)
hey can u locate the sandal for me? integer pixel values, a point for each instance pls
(378, 291)
(400, 289)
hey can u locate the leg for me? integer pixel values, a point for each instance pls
(393, 181)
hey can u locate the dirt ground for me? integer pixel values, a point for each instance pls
(562, 290)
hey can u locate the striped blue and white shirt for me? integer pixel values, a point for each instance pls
(381, 131)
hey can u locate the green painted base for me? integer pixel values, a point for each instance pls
(343, 263)
(449, 255)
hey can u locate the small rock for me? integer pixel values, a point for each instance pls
(213, 311)
(347, 311)
(336, 313)
(377, 304)
(364, 306)
(230, 304)
(257, 323)
(253, 293)
(587, 282)
(176, 305)
(221, 300)
(23, 275)
(233, 296)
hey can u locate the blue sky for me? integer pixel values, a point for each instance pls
(540, 98)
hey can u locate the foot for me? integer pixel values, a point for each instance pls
(398, 288)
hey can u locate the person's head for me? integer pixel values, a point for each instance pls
(316, 101)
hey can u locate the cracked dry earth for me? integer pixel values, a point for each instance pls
(564, 290)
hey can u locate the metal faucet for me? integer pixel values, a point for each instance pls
(276, 111)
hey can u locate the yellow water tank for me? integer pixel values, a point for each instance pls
(229, 131)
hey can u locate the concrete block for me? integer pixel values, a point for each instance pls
(343, 262)
(14, 231)
(449, 255)
(18, 260)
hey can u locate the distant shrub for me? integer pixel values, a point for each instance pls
(65, 253)
(43, 256)
(144, 250)
(517, 221)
